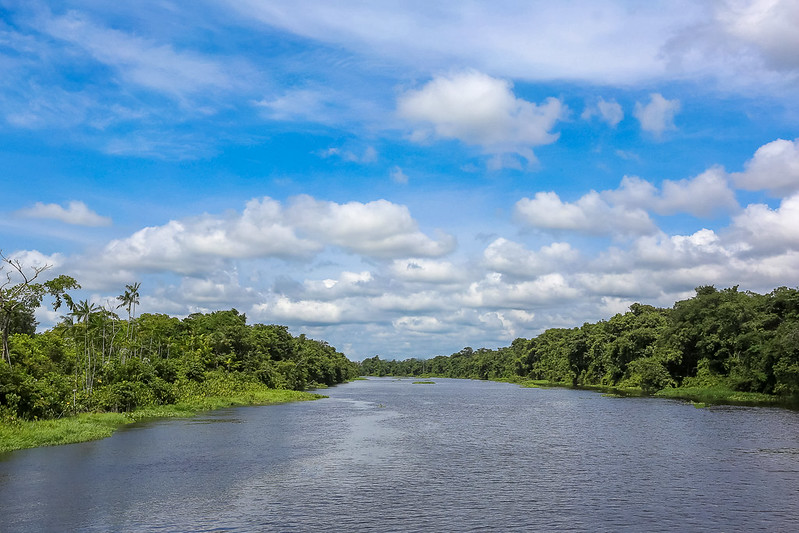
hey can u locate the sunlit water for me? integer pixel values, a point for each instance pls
(390, 455)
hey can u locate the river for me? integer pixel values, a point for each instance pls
(390, 455)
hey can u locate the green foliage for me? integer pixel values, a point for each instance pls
(94, 361)
(738, 344)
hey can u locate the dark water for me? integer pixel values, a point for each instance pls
(387, 455)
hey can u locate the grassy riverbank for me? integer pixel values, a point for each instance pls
(724, 395)
(20, 434)
(712, 395)
(709, 395)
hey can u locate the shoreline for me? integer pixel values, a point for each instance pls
(84, 427)
(699, 396)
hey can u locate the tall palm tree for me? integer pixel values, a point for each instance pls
(129, 300)
(83, 312)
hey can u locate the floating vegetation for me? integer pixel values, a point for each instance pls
(424, 382)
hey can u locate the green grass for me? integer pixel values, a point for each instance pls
(424, 383)
(18, 435)
(719, 395)
(537, 383)
(84, 427)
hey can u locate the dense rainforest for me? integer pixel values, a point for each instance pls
(95, 360)
(727, 338)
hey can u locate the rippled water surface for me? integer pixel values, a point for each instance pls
(391, 455)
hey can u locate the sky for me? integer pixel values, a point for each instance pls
(401, 179)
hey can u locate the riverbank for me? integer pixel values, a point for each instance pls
(21, 434)
(700, 396)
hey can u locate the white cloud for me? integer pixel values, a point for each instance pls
(494, 291)
(702, 196)
(425, 271)
(398, 176)
(508, 257)
(30, 259)
(142, 61)
(768, 26)
(309, 312)
(701, 247)
(420, 324)
(774, 167)
(268, 229)
(606, 42)
(376, 229)
(348, 284)
(298, 104)
(76, 213)
(590, 214)
(369, 155)
(657, 116)
(481, 111)
(403, 299)
(609, 111)
(187, 246)
(763, 229)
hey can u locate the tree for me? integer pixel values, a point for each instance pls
(129, 300)
(20, 292)
(84, 311)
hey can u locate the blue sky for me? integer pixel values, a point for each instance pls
(402, 178)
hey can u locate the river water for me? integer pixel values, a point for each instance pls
(390, 455)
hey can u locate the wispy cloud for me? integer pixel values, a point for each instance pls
(76, 213)
(154, 65)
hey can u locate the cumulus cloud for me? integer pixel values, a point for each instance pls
(425, 271)
(308, 312)
(348, 284)
(76, 213)
(702, 196)
(186, 246)
(590, 214)
(494, 291)
(31, 259)
(609, 111)
(774, 167)
(763, 229)
(481, 111)
(267, 228)
(657, 116)
(508, 257)
(420, 324)
(377, 229)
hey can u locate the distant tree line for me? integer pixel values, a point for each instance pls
(741, 340)
(95, 360)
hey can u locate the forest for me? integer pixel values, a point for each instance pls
(96, 360)
(107, 359)
(727, 339)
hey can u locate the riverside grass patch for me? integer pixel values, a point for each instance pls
(719, 395)
(194, 397)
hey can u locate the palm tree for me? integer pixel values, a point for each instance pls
(83, 312)
(129, 300)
